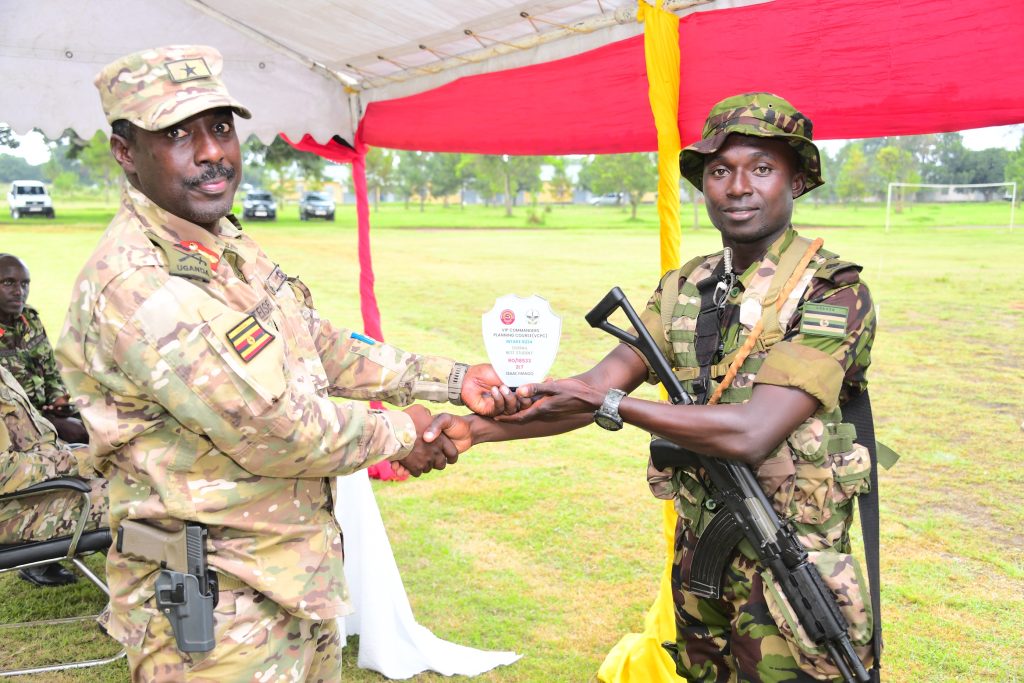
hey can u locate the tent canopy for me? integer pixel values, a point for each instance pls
(503, 76)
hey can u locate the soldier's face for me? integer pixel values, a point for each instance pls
(14, 282)
(749, 187)
(190, 169)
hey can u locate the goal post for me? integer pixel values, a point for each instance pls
(949, 187)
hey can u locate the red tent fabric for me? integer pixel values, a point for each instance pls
(336, 151)
(857, 69)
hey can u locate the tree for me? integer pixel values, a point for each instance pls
(7, 138)
(1014, 169)
(97, 160)
(380, 172)
(285, 164)
(505, 174)
(853, 175)
(987, 166)
(895, 165)
(443, 175)
(16, 168)
(412, 177)
(631, 174)
(560, 185)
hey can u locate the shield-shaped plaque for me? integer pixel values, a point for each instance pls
(521, 337)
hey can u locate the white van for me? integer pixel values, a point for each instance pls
(29, 197)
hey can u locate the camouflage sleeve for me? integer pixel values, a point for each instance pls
(22, 468)
(359, 367)
(827, 364)
(42, 353)
(654, 322)
(175, 347)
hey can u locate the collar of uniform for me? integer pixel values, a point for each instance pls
(167, 226)
(26, 313)
(773, 253)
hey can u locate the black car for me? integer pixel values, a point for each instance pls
(316, 205)
(259, 204)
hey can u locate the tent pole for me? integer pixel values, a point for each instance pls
(639, 656)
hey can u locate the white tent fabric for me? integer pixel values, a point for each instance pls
(307, 66)
(391, 641)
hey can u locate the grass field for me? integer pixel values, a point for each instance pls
(551, 548)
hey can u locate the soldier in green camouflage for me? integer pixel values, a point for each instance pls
(780, 415)
(30, 453)
(26, 352)
(205, 375)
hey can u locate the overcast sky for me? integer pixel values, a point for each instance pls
(34, 150)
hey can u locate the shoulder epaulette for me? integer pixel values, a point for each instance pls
(833, 265)
(183, 264)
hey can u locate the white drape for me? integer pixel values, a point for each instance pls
(390, 640)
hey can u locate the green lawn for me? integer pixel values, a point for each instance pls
(551, 547)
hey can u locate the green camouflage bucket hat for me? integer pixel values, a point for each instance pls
(160, 87)
(759, 114)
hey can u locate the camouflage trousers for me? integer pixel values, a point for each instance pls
(51, 515)
(732, 639)
(256, 640)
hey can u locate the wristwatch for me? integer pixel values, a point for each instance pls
(607, 416)
(455, 379)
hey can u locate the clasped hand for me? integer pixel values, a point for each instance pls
(440, 440)
(554, 400)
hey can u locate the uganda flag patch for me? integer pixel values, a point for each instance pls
(824, 320)
(249, 338)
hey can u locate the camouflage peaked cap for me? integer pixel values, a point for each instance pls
(159, 87)
(759, 114)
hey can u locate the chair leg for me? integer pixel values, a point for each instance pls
(89, 574)
(63, 667)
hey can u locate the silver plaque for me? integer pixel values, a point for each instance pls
(521, 338)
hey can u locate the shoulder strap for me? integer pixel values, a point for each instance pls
(670, 289)
(789, 263)
(858, 413)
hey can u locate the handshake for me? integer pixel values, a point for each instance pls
(498, 414)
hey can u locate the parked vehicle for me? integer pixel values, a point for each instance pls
(28, 198)
(316, 205)
(610, 199)
(259, 204)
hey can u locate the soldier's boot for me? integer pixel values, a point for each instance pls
(48, 575)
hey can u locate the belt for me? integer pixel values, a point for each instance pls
(228, 582)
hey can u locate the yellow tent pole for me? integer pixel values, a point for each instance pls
(639, 657)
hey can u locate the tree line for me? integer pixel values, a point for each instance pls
(859, 171)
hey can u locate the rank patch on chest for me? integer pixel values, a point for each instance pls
(249, 338)
(824, 320)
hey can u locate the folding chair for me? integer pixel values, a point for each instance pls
(74, 547)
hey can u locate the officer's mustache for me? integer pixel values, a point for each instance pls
(212, 172)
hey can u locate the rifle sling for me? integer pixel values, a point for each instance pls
(857, 411)
(707, 335)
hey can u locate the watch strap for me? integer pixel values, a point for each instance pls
(455, 380)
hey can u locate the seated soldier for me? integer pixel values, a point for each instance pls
(31, 452)
(26, 353)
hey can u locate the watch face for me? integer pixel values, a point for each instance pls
(607, 422)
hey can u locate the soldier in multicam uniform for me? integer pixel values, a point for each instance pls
(780, 415)
(26, 352)
(205, 376)
(30, 453)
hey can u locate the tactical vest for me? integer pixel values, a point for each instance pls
(818, 469)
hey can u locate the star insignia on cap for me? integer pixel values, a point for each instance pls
(191, 69)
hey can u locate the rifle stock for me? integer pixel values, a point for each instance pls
(752, 515)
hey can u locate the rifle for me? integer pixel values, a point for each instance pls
(747, 513)
(186, 590)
